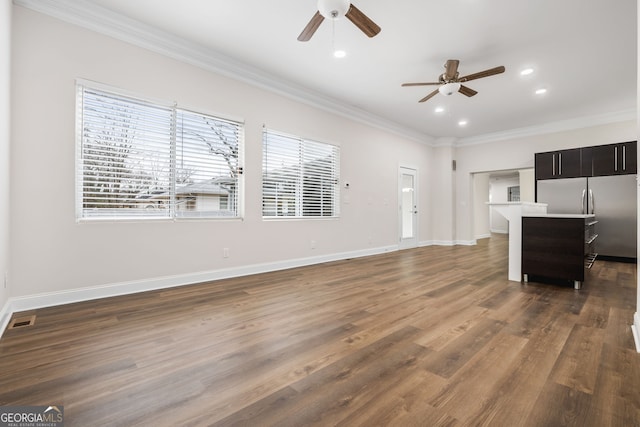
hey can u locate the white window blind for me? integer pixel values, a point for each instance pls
(299, 177)
(138, 159)
(207, 167)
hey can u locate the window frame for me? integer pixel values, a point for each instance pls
(172, 212)
(299, 185)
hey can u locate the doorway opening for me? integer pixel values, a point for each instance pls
(512, 185)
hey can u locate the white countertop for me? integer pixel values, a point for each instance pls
(513, 212)
(515, 204)
(551, 215)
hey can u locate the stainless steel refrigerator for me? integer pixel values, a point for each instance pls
(611, 198)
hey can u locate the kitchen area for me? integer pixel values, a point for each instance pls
(590, 198)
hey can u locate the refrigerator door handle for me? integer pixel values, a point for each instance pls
(584, 192)
(592, 208)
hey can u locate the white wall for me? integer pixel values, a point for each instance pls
(498, 193)
(527, 185)
(518, 153)
(442, 182)
(5, 137)
(51, 253)
(480, 207)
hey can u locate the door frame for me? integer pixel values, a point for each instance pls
(412, 242)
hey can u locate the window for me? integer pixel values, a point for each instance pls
(299, 177)
(138, 159)
(513, 193)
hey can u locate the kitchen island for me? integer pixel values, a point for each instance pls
(558, 246)
(513, 212)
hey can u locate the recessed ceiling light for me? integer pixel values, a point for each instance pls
(526, 71)
(339, 53)
(439, 110)
(462, 123)
(541, 91)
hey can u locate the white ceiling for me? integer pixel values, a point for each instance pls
(583, 52)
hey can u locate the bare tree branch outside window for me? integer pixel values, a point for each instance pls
(141, 159)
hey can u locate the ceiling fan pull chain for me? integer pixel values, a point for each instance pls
(333, 35)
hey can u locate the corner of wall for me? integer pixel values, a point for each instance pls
(5, 138)
(5, 316)
(635, 329)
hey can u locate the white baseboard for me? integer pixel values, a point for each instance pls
(50, 299)
(483, 236)
(635, 329)
(498, 231)
(5, 316)
(466, 242)
(442, 243)
(448, 243)
(435, 243)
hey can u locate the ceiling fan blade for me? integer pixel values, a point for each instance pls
(451, 68)
(363, 22)
(428, 97)
(421, 84)
(481, 74)
(311, 27)
(467, 91)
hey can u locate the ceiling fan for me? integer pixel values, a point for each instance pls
(449, 81)
(335, 9)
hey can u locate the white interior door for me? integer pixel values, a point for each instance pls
(408, 206)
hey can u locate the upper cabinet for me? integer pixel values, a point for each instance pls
(559, 164)
(601, 160)
(615, 159)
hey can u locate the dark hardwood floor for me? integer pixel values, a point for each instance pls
(433, 336)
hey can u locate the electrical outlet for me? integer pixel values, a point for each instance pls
(225, 253)
(313, 244)
(6, 280)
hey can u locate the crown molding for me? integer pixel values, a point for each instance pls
(553, 127)
(96, 18)
(88, 15)
(445, 141)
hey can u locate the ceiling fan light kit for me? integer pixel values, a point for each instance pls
(450, 82)
(449, 88)
(335, 9)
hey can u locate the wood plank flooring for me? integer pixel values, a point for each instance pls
(433, 336)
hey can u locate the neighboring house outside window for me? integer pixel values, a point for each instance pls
(300, 178)
(151, 159)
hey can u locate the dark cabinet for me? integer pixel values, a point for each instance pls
(614, 159)
(545, 165)
(559, 164)
(600, 160)
(587, 161)
(557, 247)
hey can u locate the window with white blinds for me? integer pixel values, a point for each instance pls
(140, 159)
(299, 177)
